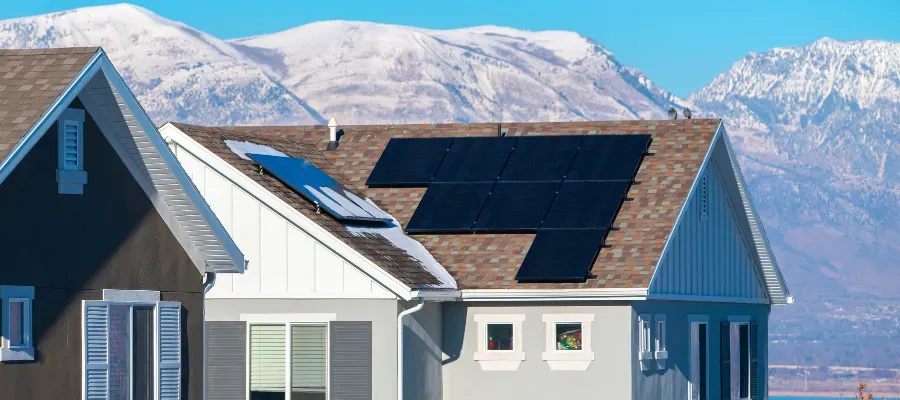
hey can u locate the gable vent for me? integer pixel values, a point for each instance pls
(71, 144)
(70, 174)
(704, 196)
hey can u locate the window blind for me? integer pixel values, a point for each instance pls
(308, 358)
(267, 358)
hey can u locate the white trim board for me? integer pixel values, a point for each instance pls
(286, 211)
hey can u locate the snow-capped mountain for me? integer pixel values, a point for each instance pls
(177, 72)
(818, 128)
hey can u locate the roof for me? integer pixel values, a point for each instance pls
(490, 261)
(29, 82)
(36, 87)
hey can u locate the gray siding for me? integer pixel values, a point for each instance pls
(226, 360)
(381, 313)
(712, 256)
(607, 377)
(422, 354)
(672, 382)
(351, 361)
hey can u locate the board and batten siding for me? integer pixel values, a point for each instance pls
(711, 254)
(283, 259)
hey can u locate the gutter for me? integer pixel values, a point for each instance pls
(400, 345)
(208, 284)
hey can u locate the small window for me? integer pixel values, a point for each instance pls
(500, 337)
(568, 336)
(644, 326)
(70, 174)
(660, 335)
(16, 314)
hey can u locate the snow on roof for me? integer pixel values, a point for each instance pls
(242, 148)
(394, 234)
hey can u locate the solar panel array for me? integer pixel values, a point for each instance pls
(320, 188)
(567, 189)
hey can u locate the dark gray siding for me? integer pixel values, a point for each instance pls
(226, 360)
(69, 247)
(351, 360)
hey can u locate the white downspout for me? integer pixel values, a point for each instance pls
(400, 345)
(207, 285)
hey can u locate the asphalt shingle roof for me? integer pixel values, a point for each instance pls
(490, 261)
(30, 80)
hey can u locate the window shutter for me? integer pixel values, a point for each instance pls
(725, 355)
(267, 358)
(351, 360)
(754, 361)
(308, 359)
(95, 333)
(169, 350)
(226, 360)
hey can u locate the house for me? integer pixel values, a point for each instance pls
(108, 246)
(485, 261)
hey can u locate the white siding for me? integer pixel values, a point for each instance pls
(284, 260)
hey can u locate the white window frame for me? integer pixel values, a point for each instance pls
(645, 350)
(661, 354)
(734, 342)
(70, 180)
(696, 320)
(499, 360)
(25, 351)
(568, 360)
(289, 320)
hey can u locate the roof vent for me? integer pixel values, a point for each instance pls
(687, 113)
(332, 134)
(672, 113)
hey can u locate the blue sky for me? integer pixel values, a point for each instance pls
(680, 45)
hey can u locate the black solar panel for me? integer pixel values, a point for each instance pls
(585, 205)
(541, 158)
(608, 157)
(409, 162)
(561, 256)
(449, 207)
(478, 159)
(516, 206)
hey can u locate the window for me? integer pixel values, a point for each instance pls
(499, 341)
(17, 340)
(644, 332)
(740, 364)
(70, 173)
(132, 345)
(698, 384)
(288, 359)
(568, 341)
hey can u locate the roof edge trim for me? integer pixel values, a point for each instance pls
(31, 137)
(608, 294)
(712, 299)
(236, 177)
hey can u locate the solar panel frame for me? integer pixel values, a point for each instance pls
(586, 204)
(561, 256)
(409, 162)
(541, 158)
(475, 159)
(516, 207)
(609, 157)
(449, 207)
(317, 187)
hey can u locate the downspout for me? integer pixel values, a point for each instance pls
(400, 345)
(207, 285)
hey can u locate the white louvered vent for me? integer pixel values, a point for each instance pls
(169, 350)
(70, 173)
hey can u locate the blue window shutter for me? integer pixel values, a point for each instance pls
(168, 317)
(95, 333)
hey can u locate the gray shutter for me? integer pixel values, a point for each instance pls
(725, 355)
(351, 360)
(226, 360)
(308, 358)
(754, 361)
(168, 317)
(95, 333)
(268, 349)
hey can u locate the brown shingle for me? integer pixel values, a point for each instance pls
(490, 261)
(24, 93)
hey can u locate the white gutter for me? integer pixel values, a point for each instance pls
(612, 294)
(400, 345)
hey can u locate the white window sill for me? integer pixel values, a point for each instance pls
(499, 360)
(568, 360)
(17, 354)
